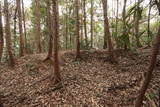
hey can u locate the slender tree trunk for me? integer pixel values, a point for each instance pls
(104, 2)
(150, 70)
(57, 76)
(24, 25)
(148, 27)
(117, 20)
(81, 40)
(148, 77)
(85, 23)
(137, 25)
(22, 49)
(38, 26)
(49, 29)
(66, 25)
(15, 27)
(77, 29)
(91, 23)
(107, 32)
(8, 33)
(1, 34)
(126, 39)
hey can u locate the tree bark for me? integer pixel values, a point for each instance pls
(49, 29)
(1, 34)
(24, 25)
(117, 20)
(22, 49)
(107, 32)
(126, 37)
(84, 21)
(104, 3)
(152, 64)
(91, 23)
(77, 29)
(57, 76)
(66, 25)
(148, 27)
(150, 70)
(8, 33)
(38, 26)
(137, 25)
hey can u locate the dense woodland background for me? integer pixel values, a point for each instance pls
(59, 34)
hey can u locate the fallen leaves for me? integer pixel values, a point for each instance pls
(88, 82)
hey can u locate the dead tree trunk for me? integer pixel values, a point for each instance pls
(8, 33)
(1, 34)
(57, 76)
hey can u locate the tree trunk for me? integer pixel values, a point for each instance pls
(91, 23)
(22, 49)
(137, 25)
(117, 22)
(126, 36)
(107, 32)
(85, 23)
(1, 34)
(15, 27)
(57, 76)
(38, 26)
(104, 3)
(77, 29)
(150, 70)
(148, 27)
(66, 25)
(8, 33)
(49, 29)
(148, 77)
(24, 25)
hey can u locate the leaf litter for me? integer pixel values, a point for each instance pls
(90, 82)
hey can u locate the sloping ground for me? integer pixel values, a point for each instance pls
(90, 82)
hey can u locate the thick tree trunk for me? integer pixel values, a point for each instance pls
(38, 26)
(50, 33)
(22, 49)
(8, 34)
(91, 23)
(57, 76)
(84, 21)
(24, 25)
(107, 32)
(77, 29)
(1, 34)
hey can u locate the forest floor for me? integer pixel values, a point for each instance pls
(90, 82)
